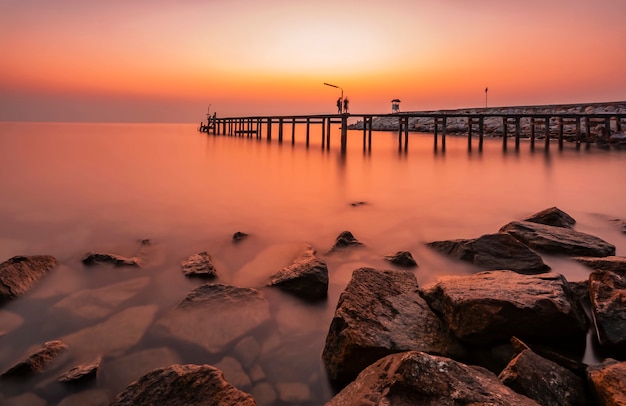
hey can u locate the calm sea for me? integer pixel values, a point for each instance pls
(70, 188)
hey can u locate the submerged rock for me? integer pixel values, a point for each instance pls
(239, 236)
(494, 306)
(81, 373)
(345, 239)
(183, 385)
(612, 263)
(558, 240)
(213, 315)
(607, 291)
(20, 273)
(306, 277)
(608, 381)
(552, 217)
(493, 252)
(381, 313)
(38, 360)
(199, 265)
(402, 258)
(417, 378)
(93, 258)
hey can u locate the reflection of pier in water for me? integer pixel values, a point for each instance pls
(546, 126)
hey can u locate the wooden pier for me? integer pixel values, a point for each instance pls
(544, 126)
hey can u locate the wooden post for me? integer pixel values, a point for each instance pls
(517, 132)
(561, 126)
(269, 128)
(532, 133)
(547, 132)
(505, 128)
(406, 134)
(369, 134)
(607, 125)
(328, 134)
(436, 121)
(443, 133)
(400, 122)
(293, 131)
(588, 131)
(324, 132)
(364, 133)
(618, 124)
(308, 128)
(470, 123)
(481, 131)
(344, 133)
(578, 132)
(280, 130)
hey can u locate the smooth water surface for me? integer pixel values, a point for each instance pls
(72, 188)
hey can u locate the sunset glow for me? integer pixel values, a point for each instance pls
(138, 60)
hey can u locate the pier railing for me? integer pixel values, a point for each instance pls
(580, 128)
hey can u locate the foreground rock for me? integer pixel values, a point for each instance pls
(543, 381)
(381, 313)
(417, 378)
(609, 382)
(214, 314)
(402, 258)
(607, 291)
(496, 305)
(305, 277)
(552, 217)
(494, 251)
(94, 258)
(81, 373)
(558, 240)
(37, 361)
(19, 274)
(345, 239)
(199, 265)
(183, 385)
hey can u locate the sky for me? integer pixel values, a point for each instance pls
(174, 61)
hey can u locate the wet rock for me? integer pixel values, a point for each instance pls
(101, 302)
(213, 315)
(402, 258)
(417, 378)
(345, 239)
(183, 385)
(552, 217)
(612, 263)
(608, 382)
(239, 236)
(493, 252)
(20, 273)
(581, 292)
(94, 258)
(558, 240)
(305, 277)
(607, 291)
(359, 203)
(81, 373)
(381, 313)
(199, 265)
(543, 381)
(38, 360)
(493, 306)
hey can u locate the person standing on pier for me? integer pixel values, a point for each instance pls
(345, 105)
(339, 106)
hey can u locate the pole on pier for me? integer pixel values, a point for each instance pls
(328, 134)
(269, 128)
(369, 134)
(324, 132)
(561, 125)
(481, 132)
(517, 133)
(406, 135)
(400, 123)
(547, 133)
(532, 133)
(444, 123)
(344, 133)
(308, 128)
(436, 121)
(470, 122)
(364, 133)
(505, 128)
(293, 131)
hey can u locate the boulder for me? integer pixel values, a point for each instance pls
(38, 360)
(612, 263)
(552, 217)
(305, 277)
(183, 385)
(402, 258)
(493, 306)
(94, 258)
(608, 381)
(239, 236)
(607, 291)
(199, 265)
(81, 373)
(381, 313)
(345, 239)
(418, 378)
(494, 251)
(214, 314)
(558, 240)
(543, 381)
(19, 274)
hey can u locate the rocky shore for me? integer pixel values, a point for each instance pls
(493, 125)
(512, 334)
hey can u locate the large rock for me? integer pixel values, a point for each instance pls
(493, 306)
(214, 314)
(305, 277)
(608, 382)
(199, 265)
(381, 313)
(183, 385)
(417, 378)
(552, 217)
(94, 258)
(607, 291)
(402, 258)
(558, 240)
(544, 381)
(19, 274)
(494, 251)
(345, 239)
(38, 360)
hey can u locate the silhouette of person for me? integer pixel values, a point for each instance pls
(345, 105)
(339, 105)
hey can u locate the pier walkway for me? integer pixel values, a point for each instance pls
(580, 128)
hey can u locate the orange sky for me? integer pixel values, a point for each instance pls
(162, 60)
